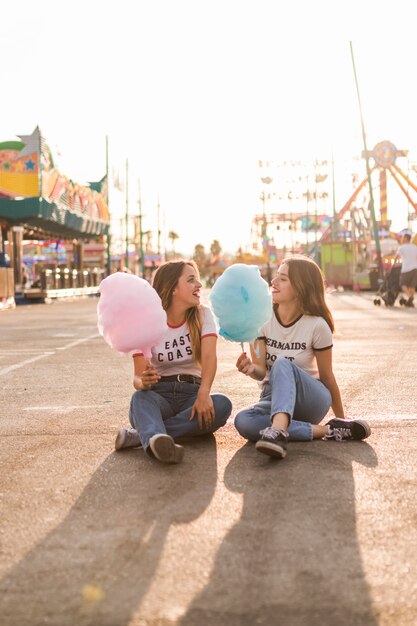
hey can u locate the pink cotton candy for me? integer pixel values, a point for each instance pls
(130, 314)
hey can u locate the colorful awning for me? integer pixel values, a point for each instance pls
(51, 219)
(34, 193)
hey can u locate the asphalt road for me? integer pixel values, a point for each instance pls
(93, 537)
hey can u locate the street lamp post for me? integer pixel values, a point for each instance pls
(368, 172)
(127, 216)
(108, 240)
(141, 255)
(266, 180)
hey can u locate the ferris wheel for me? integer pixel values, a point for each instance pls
(385, 155)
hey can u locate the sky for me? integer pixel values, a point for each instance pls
(194, 93)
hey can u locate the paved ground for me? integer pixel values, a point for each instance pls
(92, 537)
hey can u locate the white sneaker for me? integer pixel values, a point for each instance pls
(165, 449)
(127, 438)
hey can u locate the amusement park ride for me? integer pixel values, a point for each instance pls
(353, 249)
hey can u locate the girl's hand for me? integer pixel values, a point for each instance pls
(149, 376)
(204, 409)
(245, 365)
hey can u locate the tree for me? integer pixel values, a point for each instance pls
(215, 248)
(199, 255)
(201, 258)
(173, 236)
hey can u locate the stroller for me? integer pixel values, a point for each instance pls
(389, 288)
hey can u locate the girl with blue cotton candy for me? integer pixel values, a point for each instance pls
(292, 359)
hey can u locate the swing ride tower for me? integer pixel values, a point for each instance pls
(353, 245)
(348, 244)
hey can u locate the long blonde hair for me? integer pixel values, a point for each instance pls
(308, 283)
(164, 282)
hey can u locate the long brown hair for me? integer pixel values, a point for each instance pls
(164, 282)
(308, 283)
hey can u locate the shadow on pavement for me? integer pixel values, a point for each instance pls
(96, 566)
(293, 558)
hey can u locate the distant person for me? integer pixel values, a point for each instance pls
(26, 276)
(293, 360)
(4, 259)
(125, 269)
(172, 397)
(407, 252)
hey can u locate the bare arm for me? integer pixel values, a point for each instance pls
(145, 374)
(327, 377)
(203, 405)
(256, 366)
(208, 361)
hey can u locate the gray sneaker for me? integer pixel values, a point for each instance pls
(273, 442)
(165, 449)
(127, 438)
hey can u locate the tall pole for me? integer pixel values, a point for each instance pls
(40, 161)
(408, 189)
(127, 215)
(266, 238)
(354, 287)
(264, 228)
(334, 229)
(141, 255)
(333, 201)
(158, 208)
(316, 217)
(108, 208)
(164, 231)
(307, 212)
(292, 222)
(368, 171)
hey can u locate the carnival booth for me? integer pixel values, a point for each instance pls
(39, 204)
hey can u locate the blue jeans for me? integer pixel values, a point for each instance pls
(289, 390)
(166, 408)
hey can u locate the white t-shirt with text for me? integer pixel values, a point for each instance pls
(296, 342)
(173, 354)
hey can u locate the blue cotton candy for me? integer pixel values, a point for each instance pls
(241, 302)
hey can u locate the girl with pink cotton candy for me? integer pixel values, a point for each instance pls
(173, 381)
